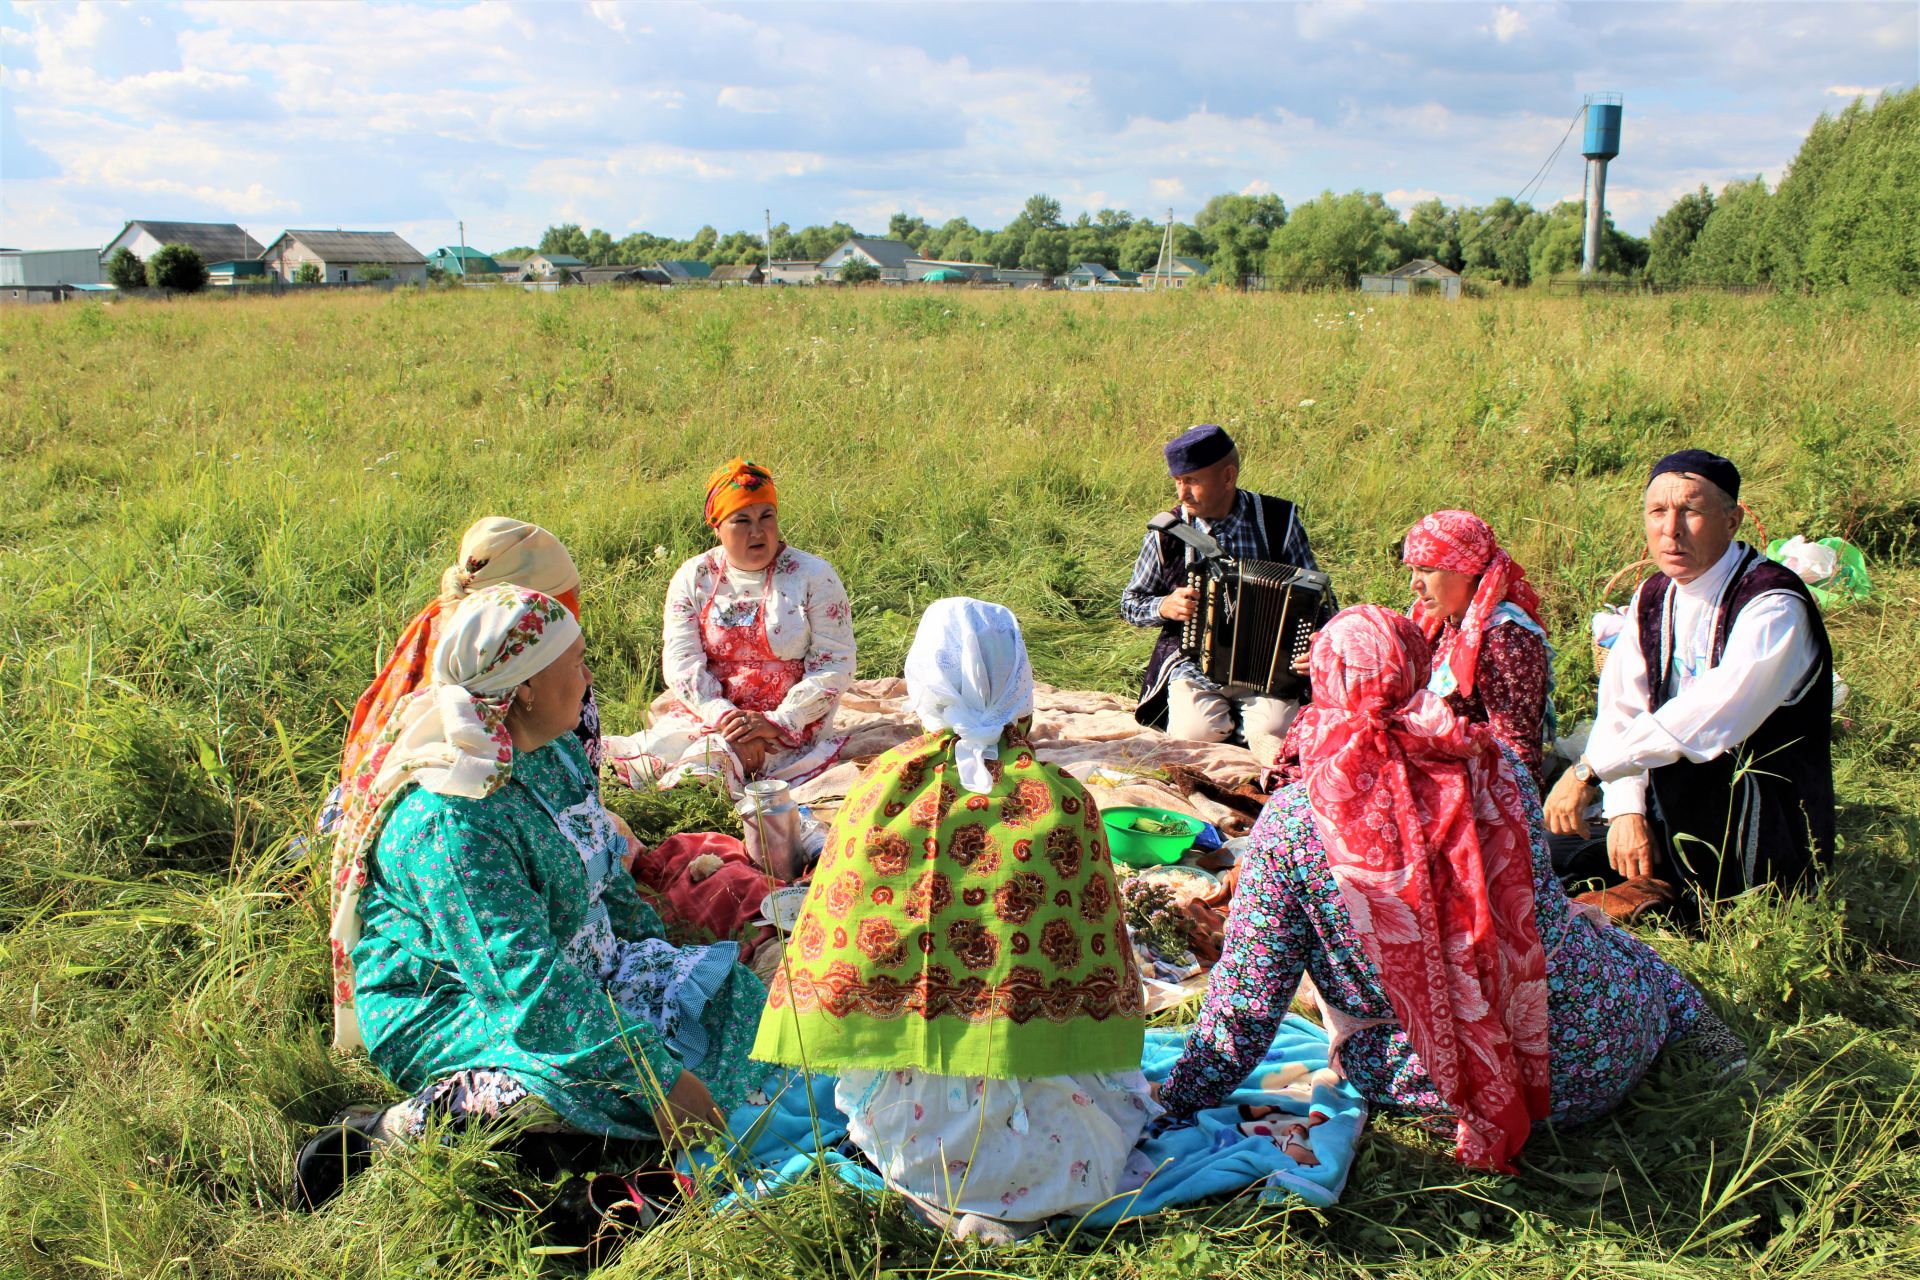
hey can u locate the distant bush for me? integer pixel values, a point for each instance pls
(375, 272)
(858, 273)
(307, 273)
(177, 268)
(125, 270)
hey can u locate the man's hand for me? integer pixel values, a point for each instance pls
(688, 1115)
(1178, 605)
(1630, 846)
(1566, 807)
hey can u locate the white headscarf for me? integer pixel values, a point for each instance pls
(450, 737)
(968, 671)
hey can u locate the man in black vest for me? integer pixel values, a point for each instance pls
(1174, 696)
(1711, 742)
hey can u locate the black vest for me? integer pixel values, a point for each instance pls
(1762, 811)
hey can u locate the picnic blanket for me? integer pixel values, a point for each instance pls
(1222, 1152)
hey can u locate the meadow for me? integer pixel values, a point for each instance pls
(216, 515)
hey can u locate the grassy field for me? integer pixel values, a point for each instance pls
(216, 515)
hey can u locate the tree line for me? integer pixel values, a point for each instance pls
(1843, 216)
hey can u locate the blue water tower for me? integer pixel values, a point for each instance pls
(1602, 145)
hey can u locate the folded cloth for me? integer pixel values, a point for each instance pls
(1292, 1129)
(721, 903)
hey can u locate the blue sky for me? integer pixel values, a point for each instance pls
(635, 116)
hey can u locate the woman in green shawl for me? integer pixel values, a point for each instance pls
(961, 962)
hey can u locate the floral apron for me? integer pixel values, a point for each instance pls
(752, 677)
(649, 978)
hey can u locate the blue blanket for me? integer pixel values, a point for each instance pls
(1222, 1152)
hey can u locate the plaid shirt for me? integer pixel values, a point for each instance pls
(1240, 536)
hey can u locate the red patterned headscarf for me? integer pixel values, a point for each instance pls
(1462, 541)
(1427, 836)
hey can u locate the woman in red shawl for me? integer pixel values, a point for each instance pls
(1408, 875)
(1491, 659)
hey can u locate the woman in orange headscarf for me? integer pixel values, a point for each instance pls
(757, 649)
(494, 550)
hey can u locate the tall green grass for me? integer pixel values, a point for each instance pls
(216, 516)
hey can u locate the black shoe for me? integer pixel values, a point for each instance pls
(329, 1158)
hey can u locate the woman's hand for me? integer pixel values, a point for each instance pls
(688, 1115)
(739, 726)
(752, 754)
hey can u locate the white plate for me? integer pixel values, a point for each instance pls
(782, 906)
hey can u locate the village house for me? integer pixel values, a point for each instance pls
(346, 257)
(213, 241)
(461, 260)
(550, 266)
(1420, 276)
(49, 268)
(624, 273)
(235, 271)
(683, 270)
(1176, 275)
(794, 271)
(890, 256)
(751, 273)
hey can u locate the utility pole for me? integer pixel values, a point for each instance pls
(1164, 269)
(769, 214)
(463, 247)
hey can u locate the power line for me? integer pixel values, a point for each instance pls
(1538, 177)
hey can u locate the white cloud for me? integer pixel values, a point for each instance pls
(516, 113)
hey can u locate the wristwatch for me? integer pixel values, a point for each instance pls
(1583, 771)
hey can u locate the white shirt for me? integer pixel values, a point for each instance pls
(1710, 710)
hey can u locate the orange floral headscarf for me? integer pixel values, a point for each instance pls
(735, 484)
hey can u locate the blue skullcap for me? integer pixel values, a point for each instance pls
(1196, 448)
(1698, 462)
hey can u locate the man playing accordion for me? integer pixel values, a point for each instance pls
(1175, 694)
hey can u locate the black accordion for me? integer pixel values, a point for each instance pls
(1252, 620)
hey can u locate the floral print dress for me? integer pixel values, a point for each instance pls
(778, 641)
(1612, 1002)
(503, 937)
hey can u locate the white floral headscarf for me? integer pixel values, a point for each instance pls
(450, 737)
(968, 671)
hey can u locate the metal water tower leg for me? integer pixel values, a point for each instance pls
(1596, 213)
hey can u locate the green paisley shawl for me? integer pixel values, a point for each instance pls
(963, 934)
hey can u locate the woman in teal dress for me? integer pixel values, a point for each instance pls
(488, 943)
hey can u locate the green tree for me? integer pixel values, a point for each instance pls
(177, 268)
(1042, 211)
(1671, 241)
(1334, 240)
(1497, 241)
(1046, 250)
(912, 230)
(125, 270)
(1865, 228)
(1433, 231)
(307, 273)
(1732, 245)
(858, 271)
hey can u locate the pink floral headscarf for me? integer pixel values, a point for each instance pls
(1427, 836)
(450, 737)
(1463, 542)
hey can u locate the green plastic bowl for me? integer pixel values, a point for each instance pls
(1142, 848)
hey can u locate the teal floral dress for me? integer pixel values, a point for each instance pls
(504, 938)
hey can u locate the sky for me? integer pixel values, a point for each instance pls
(664, 117)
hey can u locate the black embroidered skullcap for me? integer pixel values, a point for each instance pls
(1196, 448)
(1698, 462)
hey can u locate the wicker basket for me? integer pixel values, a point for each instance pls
(1600, 651)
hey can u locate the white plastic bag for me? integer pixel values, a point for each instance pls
(1813, 561)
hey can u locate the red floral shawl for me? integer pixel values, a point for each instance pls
(1427, 835)
(1462, 542)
